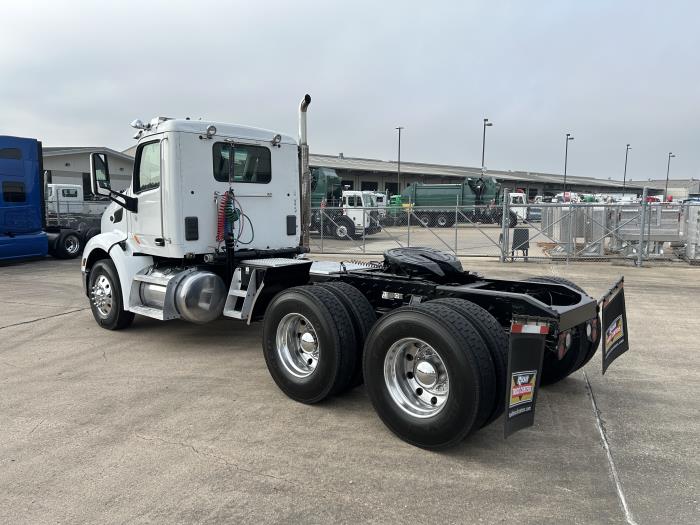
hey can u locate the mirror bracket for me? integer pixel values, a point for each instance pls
(130, 203)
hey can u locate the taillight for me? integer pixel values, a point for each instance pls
(564, 343)
(592, 330)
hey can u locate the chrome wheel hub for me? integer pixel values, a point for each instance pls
(297, 345)
(101, 295)
(341, 231)
(416, 377)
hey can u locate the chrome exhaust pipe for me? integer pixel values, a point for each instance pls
(303, 106)
(305, 174)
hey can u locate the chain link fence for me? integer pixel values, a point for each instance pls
(556, 232)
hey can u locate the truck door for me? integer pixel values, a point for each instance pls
(146, 226)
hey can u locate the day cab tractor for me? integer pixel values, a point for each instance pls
(216, 223)
(343, 214)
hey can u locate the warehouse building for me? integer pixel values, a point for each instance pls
(379, 175)
(71, 165)
(679, 189)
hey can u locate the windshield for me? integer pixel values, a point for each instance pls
(369, 200)
(517, 199)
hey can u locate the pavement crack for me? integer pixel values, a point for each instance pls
(222, 459)
(44, 318)
(608, 453)
(37, 426)
(230, 464)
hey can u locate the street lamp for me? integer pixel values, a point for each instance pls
(566, 156)
(483, 143)
(624, 176)
(398, 169)
(668, 168)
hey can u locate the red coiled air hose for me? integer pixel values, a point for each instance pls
(221, 218)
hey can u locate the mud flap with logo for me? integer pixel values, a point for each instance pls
(614, 328)
(525, 353)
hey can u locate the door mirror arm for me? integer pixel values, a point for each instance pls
(100, 182)
(129, 203)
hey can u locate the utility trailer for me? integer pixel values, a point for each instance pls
(216, 223)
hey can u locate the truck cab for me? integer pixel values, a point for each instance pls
(361, 208)
(517, 202)
(203, 195)
(64, 198)
(381, 199)
(21, 199)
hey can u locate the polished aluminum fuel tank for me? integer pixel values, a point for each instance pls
(198, 296)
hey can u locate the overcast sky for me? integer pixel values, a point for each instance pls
(76, 73)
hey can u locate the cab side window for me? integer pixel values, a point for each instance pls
(147, 167)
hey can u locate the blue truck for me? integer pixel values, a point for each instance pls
(23, 229)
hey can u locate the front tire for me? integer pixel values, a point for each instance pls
(344, 228)
(106, 299)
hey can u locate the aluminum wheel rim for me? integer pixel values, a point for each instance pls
(416, 377)
(102, 295)
(297, 345)
(341, 231)
(442, 221)
(71, 244)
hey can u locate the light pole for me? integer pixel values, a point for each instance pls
(668, 168)
(398, 169)
(624, 176)
(566, 156)
(483, 144)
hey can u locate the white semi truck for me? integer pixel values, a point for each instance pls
(215, 223)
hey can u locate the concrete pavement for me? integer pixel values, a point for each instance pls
(173, 422)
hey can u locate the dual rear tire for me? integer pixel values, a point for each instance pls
(433, 372)
(312, 339)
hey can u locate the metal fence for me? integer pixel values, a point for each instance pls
(558, 232)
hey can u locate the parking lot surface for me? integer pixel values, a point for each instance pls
(173, 422)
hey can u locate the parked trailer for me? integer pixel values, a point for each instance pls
(438, 348)
(24, 230)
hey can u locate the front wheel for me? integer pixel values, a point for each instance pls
(106, 299)
(344, 228)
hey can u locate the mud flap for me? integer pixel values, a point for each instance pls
(614, 327)
(525, 353)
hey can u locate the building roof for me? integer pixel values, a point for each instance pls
(443, 170)
(660, 184)
(77, 150)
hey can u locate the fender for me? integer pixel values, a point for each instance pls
(126, 263)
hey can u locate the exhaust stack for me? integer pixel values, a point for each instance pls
(305, 174)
